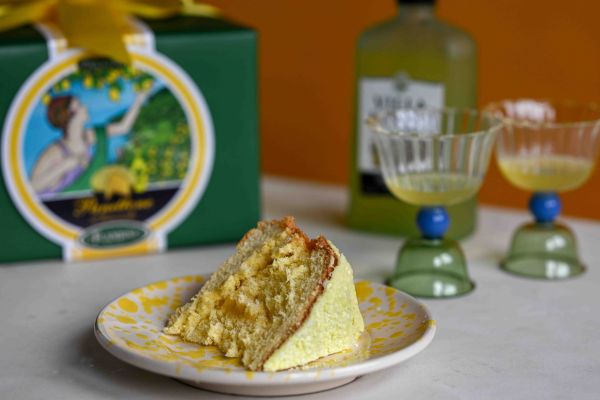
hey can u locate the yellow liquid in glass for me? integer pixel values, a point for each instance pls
(433, 188)
(546, 173)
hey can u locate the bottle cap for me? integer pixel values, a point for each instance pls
(417, 2)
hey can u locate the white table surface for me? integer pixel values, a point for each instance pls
(511, 338)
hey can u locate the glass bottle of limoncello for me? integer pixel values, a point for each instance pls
(414, 59)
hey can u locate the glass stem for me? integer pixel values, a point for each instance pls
(545, 207)
(433, 222)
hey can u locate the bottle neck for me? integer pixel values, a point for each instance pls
(416, 12)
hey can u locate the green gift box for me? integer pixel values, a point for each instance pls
(102, 159)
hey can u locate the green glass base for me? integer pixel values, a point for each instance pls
(434, 268)
(543, 251)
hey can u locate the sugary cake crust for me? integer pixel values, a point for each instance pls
(287, 223)
(318, 244)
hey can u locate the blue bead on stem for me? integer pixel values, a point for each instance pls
(545, 207)
(433, 222)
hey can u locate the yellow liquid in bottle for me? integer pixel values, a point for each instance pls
(546, 173)
(433, 188)
(418, 48)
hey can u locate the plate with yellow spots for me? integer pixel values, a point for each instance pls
(397, 328)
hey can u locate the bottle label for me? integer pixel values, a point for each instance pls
(380, 94)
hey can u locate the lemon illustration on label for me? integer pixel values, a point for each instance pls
(88, 81)
(139, 171)
(114, 93)
(113, 180)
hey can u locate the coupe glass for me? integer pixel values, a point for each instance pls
(546, 147)
(433, 158)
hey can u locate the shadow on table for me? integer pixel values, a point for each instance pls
(484, 250)
(104, 375)
(487, 258)
(494, 257)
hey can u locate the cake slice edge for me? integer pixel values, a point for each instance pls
(324, 330)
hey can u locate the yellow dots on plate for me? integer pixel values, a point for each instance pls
(249, 375)
(397, 334)
(148, 303)
(390, 293)
(376, 301)
(138, 347)
(199, 353)
(158, 285)
(363, 290)
(212, 350)
(375, 325)
(127, 305)
(394, 314)
(125, 319)
(169, 339)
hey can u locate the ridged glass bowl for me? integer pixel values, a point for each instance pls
(433, 158)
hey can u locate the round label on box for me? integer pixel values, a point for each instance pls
(104, 158)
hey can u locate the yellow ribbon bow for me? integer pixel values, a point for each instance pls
(96, 25)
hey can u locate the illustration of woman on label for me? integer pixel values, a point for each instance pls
(70, 161)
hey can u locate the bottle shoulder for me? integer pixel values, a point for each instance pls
(378, 31)
(396, 33)
(457, 34)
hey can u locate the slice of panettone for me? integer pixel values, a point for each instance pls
(282, 300)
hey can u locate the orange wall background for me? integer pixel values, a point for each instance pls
(539, 48)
